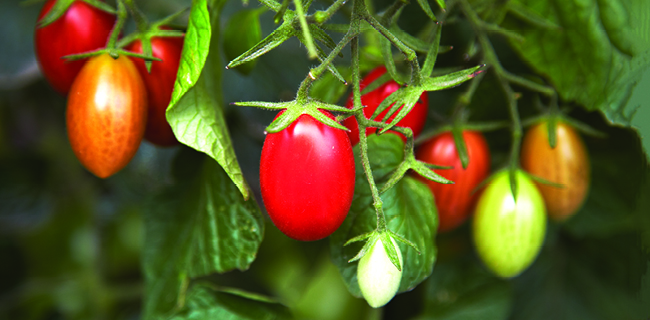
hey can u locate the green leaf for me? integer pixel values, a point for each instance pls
(598, 54)
(409, 209)
(207, 302)
(200, 226)
(196, 112)
(242, 32)
(462, 289)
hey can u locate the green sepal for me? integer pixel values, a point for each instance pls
(424, 4)
(57, 10)
(461, 147)
(390, 249)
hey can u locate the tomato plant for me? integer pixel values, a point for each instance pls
(160, 84)
(566, 164)
(106, 114)
(378, 278)
(307, 178)
(82, 28)
(509, 231)
(371, 100)
(455, 201)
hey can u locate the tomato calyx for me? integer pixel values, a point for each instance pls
(387, 236)
(377, 275)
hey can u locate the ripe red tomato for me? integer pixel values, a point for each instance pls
(107, 114)
(82, 28)
(509, 232)
(307, 178)
(567, 164)
(371, 100)
(160, 84)
(455, 201)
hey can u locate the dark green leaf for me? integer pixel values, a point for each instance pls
(198, 227)
(206, 302)
(409, 211)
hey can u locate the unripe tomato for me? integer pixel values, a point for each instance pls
(566, 164)
(307, 178)
(455, 201)
(160, 84)
(378, 278)
(371, 100)
(508, 232)
(82, 28)
(107, 114)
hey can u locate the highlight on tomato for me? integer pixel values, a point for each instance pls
(160, 85)
(106, 114)
(455, 201)
(307, 178)
(80, 29)
(509, 231)
(371, 100)
(567, 164)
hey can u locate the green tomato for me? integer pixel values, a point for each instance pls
(378, 278)
(508, 232)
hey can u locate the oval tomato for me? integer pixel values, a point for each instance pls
(566, 164)
(80, 29)
(377, 276)
(106, 114)
(455, 201)
(508, 232)
(371, 100)
(160, 84)
(307, 178)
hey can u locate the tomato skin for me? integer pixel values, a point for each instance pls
(106, 114)
(371, 100)
(378, 278)
(307, 178)
(567, 164)
(160, 84)
(80, 29)
(509, 233)
(455, 201)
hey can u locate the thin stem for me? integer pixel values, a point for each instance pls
(321, 17)
(140, 20)
(121, 19)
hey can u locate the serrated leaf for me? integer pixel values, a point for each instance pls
(200, 226)
(409, 210)
(207, 302)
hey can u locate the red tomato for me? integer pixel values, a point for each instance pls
(160, 84)
(82, 28)
(107, 114)
(567, 164)
(455, 201)
(307, 178)
(371, 100)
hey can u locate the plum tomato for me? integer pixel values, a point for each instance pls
(566, 164)
(455, 201)
(377, 276)
(159, 84)
(106, 114)
(371, 100)
(509, 232)
(307, 178)
(80, 29)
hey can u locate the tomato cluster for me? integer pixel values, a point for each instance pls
(112, 103)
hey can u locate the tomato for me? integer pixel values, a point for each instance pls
(160, 84)
(508, 232)
(378, 278)
(567, 164)
(307, 178)
(106, 114)
(82, 28)
(371, 100)
(455, 201)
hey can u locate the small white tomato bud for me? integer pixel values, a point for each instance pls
(378, 278)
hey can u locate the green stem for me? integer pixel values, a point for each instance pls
(112, 39)
(321, 17)
(140, 20)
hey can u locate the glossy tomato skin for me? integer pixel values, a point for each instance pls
(509, 233)
(106, 114)
(371, 100)
(455, 201)
(80, 29)
(307, 178)
(160, 84)
(566, 164)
